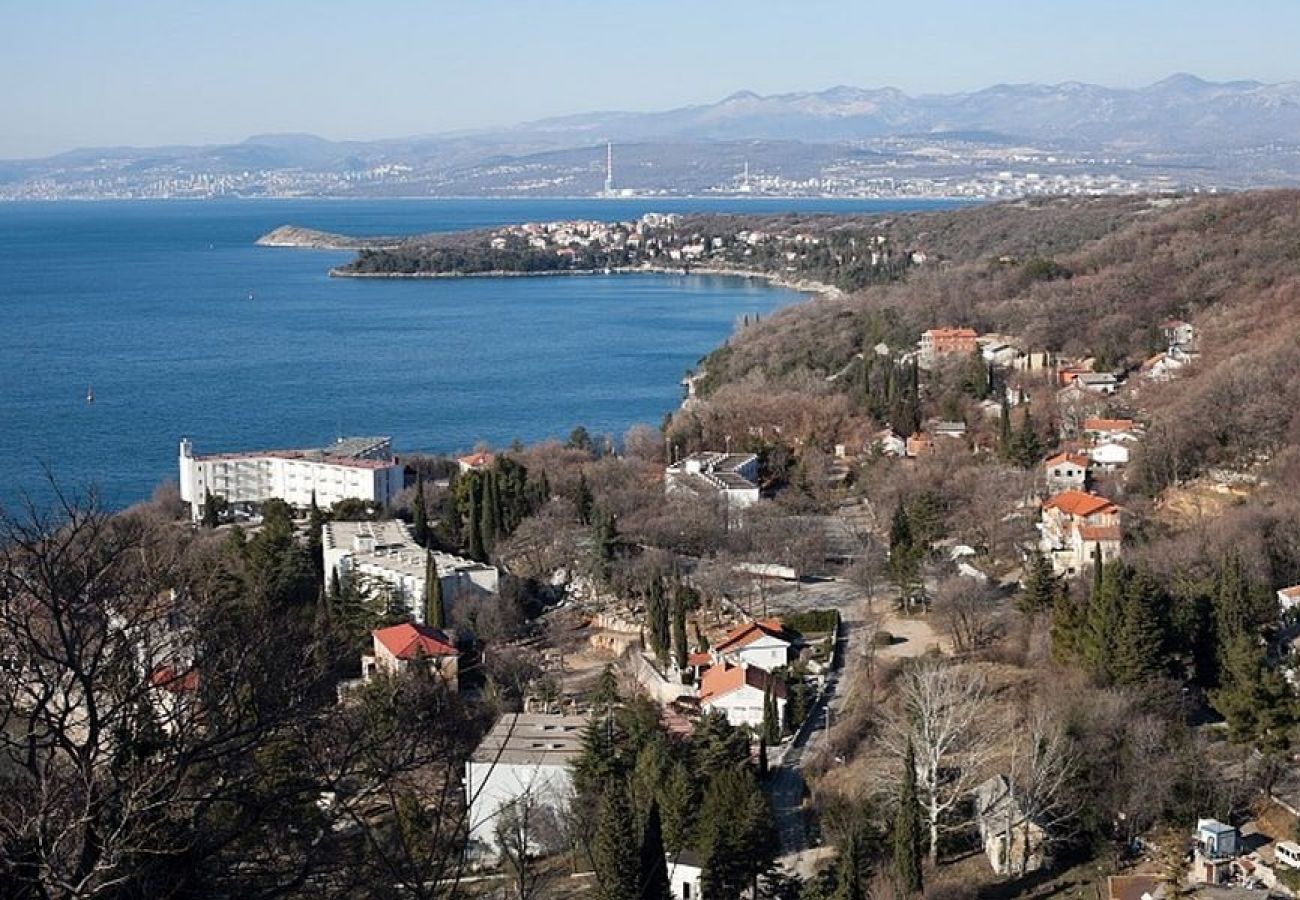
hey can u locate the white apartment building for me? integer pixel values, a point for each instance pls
(732, 476)
(357, 468)
(385, 553)
(526, 757)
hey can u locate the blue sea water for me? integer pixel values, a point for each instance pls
(149, 304)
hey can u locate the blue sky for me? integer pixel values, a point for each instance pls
(142, 72)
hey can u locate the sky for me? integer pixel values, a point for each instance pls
(80, 73)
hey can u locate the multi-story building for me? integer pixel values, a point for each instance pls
(1073, 525)
(942, 341)
(398, 648)
(357, 468)
(740, 693)
(732, 476)
(384, 554)
(525, 759)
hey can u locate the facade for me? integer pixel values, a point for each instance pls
(1177, 333)
(1073, 524)
(738, 693)
(1110, 457)
(1110, 429)
(731, 476)
(1066, 471)
(762, 644)
(1217, 845)
(526, 757)
(685, 871)
(359, 468)
(1098, 382)
(400, 647)
(942, 341)
(1013, 843)
(385, 554)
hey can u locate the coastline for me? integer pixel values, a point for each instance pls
(803, 286)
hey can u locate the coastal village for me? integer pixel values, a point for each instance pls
(896, 630)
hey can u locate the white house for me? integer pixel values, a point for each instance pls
(1066, 471)
(732, 476)
(1098, 382)
(738, 692)
(399, 647)
(763, 644)
(685, 871)
(384, 553)
(358, 468)
(1110, 457)
(1288, 598)
(1073, 525)
(525, 758)
(890, 443)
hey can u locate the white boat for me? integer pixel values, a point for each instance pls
(90, 394)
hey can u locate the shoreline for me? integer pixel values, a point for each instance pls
(803, 286)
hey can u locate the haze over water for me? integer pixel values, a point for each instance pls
(148, 303)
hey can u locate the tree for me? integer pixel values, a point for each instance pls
(526, 826)
(583, 500)
(943, 710)
(211, 513)
(615, 854)
(654, 862)
(434, 613)
(736, 834)
(1004, 427)
(1026, 447)
(905, 553)
(579, 439)
(681, 649)
(906, 837)
(657, 616)
(419, 513)
(771, 731)
(1041, 770)
(477, 544)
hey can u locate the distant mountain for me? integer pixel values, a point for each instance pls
(1180, 113)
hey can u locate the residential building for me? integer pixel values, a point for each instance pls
(476, 462)
(1110, 429)
(525, 758)
(383, 555)
(1216, 847)
(1288, 598)
(398, 648)
(1073, 525)
(944, 341)
(919, 444)
(946, 429)
(1109, 456)
(763, 644)
(1013, 842)
(731, 476)
(739, 693)
(1177, 333)
(358, 468)
(1097, 382)
(890, 443)
(1066, 471)
(685, 871)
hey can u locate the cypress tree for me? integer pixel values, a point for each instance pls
(1102, 621)
(615, 852)
(1027, 449)
(654, 863)
(657, 613)
(681, 650)
(906, 838)
(771, 732)
(583, 500)
(210, 518)
(491, 510)
(1004, 428)
(433, 610)
(419, 513)
(477, 550)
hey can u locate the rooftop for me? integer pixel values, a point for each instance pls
(1107, 424)
(532, 739)
(353, 452)
(388, 544)
(746, 634)
(723, 679)
(1079, 503)
(408, 641)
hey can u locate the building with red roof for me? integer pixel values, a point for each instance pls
(740, 692)
(763, 643)
(943, 341)
(1066, 471)
(1075, 524)
(399, 647)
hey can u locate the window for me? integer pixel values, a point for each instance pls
(686, 890)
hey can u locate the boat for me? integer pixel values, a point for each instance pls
(250, 295)
(90, 394)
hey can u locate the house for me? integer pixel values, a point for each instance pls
(525, 758)
(763, 644)
(731, 476)
(399, 648)
(1177, 333)
(1073, 525)
(685, 871)
(476, 462)
(946, 429)
(1013, 842)
(919, 444)
(1110, 429)
(998, 351)
(1066, 471)
(1097, 382)
(739, 693)
(943, 341)
(1135, 887)
(1109, 457)
(1288, 598)
(890, 443)
(1034, 361)
(1216, 847)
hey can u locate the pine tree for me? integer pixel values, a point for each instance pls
(1041, 586)
(1102, 620)
(681, 650)
(1140, 643)
(677, 804)
(210, 517)
(907, 830)
(1067, 627)
(615, 855)
(419, 514)
(1027, 449)
(434, 615)
(654, 863)
(583, 500)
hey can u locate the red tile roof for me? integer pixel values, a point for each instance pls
(477, 460)
(1076, 458)
(178, 682)
(699, 659)
(1093, 533)
(952, 333)
(1078, 503)
(746, 634)
(724, 679)
(1291, 593)
(1107, 424)
(407, 641)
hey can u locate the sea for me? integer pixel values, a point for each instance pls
(180, 326)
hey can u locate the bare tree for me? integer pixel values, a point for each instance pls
(1042, 763)
(969, 612)
(526, 828)
(944, 708)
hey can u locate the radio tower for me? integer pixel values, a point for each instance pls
(609, 168)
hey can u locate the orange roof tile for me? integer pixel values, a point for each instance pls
(699, 659)
(1094, 533)
(477, 460)
(1078, 503)
(952, 333)
(746, 634)
(407, 641)
(724, 679)
(1291, 593)
(1107, 424)
(1077, 459)
(169, 679)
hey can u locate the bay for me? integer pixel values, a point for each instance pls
(148, 304)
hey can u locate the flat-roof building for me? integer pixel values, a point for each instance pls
(732, 476)
(357, 468)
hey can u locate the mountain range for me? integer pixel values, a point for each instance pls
(1240, 133)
